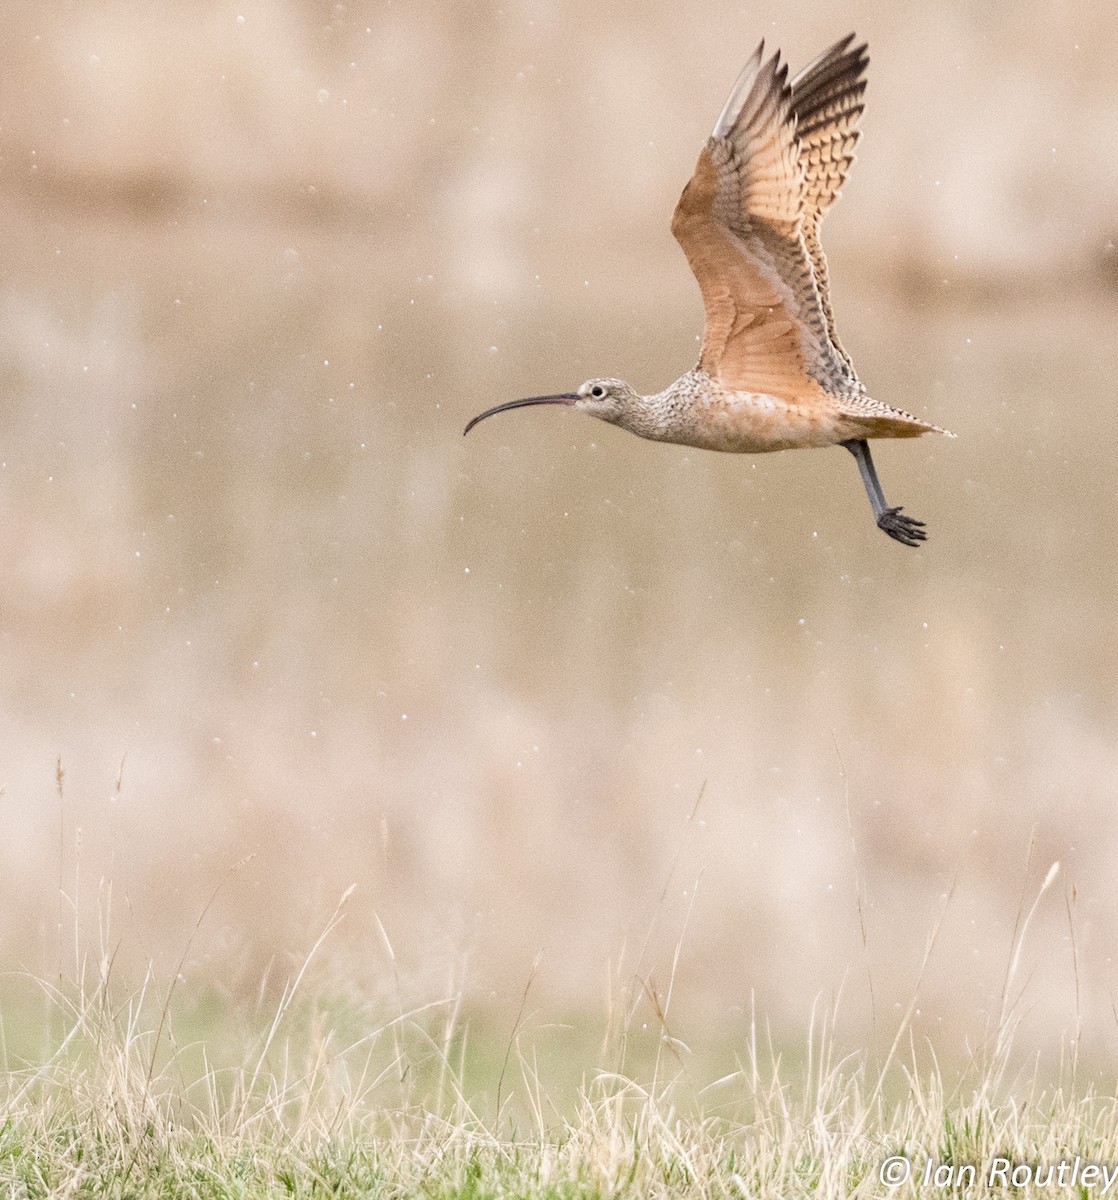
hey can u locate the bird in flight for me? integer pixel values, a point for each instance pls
(772, 374)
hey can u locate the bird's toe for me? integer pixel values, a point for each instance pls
(906, 530)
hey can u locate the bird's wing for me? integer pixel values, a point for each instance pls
(740, 222)
(827, 103)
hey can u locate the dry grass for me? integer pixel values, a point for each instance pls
(124, 1104)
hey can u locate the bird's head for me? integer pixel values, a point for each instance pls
(608, 399)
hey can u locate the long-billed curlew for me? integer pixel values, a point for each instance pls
(772, 374)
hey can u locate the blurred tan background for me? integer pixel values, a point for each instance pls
(261, 262)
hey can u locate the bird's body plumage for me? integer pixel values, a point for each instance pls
(699, 410)
(772, 373)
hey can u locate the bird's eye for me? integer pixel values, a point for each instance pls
(597, 391)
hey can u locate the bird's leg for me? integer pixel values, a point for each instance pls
(905, 529)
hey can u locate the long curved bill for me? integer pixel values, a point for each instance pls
(567, 398)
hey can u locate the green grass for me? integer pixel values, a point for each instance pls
(122, 1107)
(153, 1091)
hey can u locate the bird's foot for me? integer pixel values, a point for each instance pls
(907, 530)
